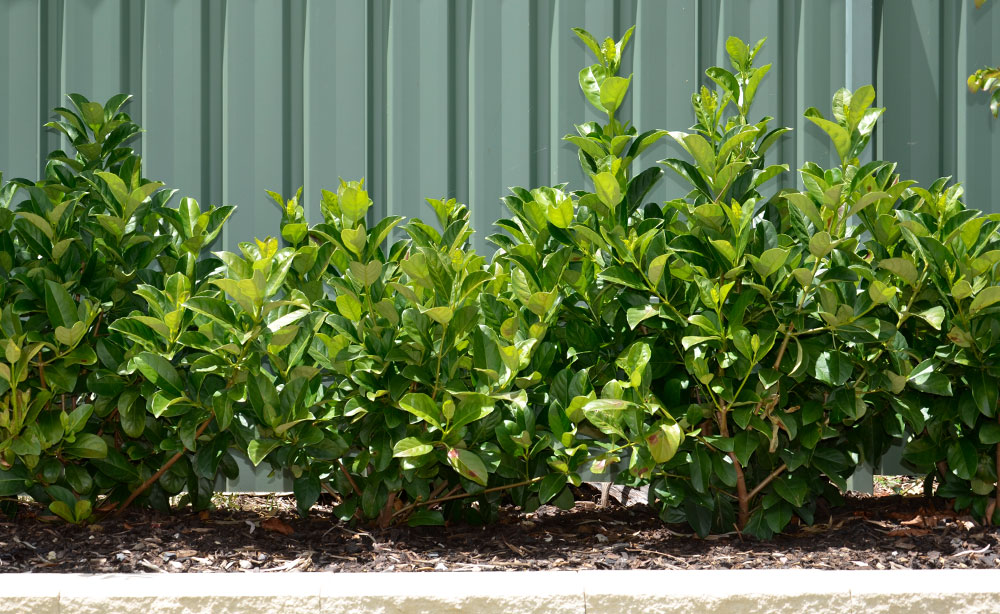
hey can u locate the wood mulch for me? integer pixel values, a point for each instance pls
(264, 534)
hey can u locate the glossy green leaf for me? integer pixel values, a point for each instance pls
(987, 297)
(468, 464)
(550, 486)
(833, 367)
(59, 305)
(924, 377)
(607, 189)
(423, 407)
(411, 446)
(161, 373)
(613, 92)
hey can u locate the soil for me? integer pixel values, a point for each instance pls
(264, 534)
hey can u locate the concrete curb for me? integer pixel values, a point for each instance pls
(542, 592)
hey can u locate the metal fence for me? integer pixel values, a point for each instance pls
(430, 98)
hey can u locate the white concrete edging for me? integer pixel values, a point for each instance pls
(542, 592)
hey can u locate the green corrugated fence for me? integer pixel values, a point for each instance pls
(431, 98)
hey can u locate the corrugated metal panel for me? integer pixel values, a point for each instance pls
(933, 125)
(431, 98)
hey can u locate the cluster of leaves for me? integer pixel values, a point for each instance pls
(987, 80)
(740, 348)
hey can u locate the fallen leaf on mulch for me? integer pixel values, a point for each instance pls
(908, 532)
(277, 525)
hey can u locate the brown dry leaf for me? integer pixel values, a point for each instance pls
(916, 521)
(907, 532)
(277, 525)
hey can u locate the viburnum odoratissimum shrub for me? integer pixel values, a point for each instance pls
(78, 250)
(739, 348)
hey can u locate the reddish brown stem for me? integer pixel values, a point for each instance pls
(41, 371)
(385, 516)
(166, 466)
(996, 499)
(784, 346)
(462, 495)
(741, 494)
(742, 499)
(347, 474)
(767, 480)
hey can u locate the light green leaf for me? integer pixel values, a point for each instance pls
(441, 315)
(367, 274)
(613, 91)
(354, 239)
(560, 214)
(354, 203)
(540, 303)
(803, 276)
(423, 407)
(409, 447)
(821, 244)
(840, 137)
(656, 268)
(590, 79)
(294, 233)
(38, 221)
(349, 307)
(986, 297)
(607, 189)
(664, 440)
(961, 289)
(901, 268)
(468, 464)
(726, 249)
(160, 373)
(880, 292)
(803, 203)
(933, 316)
(116, 185)
(770, 261)
(635, 315)
(258, 449)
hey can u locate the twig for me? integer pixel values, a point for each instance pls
(767, 480)
(784, 346)
(163, 469)
(347, 474)
(967, 552)
(463, 495)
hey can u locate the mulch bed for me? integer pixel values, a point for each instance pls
(263, 534)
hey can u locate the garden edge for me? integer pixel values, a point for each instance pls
(556, 592)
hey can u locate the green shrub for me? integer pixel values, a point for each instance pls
(739, 348)
(82, 250)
